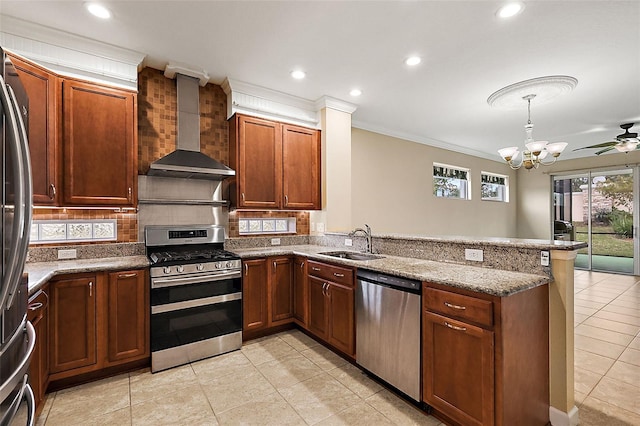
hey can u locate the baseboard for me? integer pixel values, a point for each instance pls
(560, 418)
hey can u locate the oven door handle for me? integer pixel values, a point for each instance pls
(169, 307)
(170, 282)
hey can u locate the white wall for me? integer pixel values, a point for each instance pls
(534, 188)
(392, 190)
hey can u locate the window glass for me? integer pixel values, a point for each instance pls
(451, 182)
(494, 187)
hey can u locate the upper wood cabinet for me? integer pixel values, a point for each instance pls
(277, 165)
(99, 145)
(43, 90)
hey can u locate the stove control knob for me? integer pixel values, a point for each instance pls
(229, 264)
(218, 265)
(199, 266)
(180, 268)
(166, 269)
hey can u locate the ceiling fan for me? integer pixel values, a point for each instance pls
(624, 142)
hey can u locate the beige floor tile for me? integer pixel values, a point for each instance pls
(625, 304)
(319, 398)
(265, 410)
(146, 385)
(288, 371)
(635, 343)
(621, 310)
(356, 380)
(603, 334)
(593, 298)
(398, 411)
(618, 393)
(298, 340)
(231, 391)
(627, 373)
(630, 356)
(584, 311)
(48, 403)
(594, 412)
(598, 346)
(361, 414)
(592, 362)
(618, 317)
(267, 350)
(229, 363)
(324, 358)
(585, 380)
(89, 400)
(588, 303)
(579, 397)
(616, 326)
(188, 406)
(630, 297)
(579, 318)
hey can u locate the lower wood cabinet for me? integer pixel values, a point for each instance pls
(332, 305)
(38, 315)
(281, 286)
(97, 321)
(486, 358)
(300, 291)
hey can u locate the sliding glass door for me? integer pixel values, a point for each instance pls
(600, 208)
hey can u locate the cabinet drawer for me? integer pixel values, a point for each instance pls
(458, 306)
(331, 273)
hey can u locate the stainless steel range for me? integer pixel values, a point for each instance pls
(196, 294)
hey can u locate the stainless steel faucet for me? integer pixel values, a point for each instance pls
(367, 233)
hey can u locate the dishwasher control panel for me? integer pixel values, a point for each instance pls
(378, 278)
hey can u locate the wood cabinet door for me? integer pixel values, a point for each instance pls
(318, 307)
(72, 327)
(301, 167)
(300, 291)
(259, 163)
(458, 369)
(127, 315)
(281, 290)
(341, 332)
(254, 294)
(42, 89)
(99, 141)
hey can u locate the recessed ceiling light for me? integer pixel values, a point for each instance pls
(98, 10)
(355, 92)
(413, 60)
(510, 9)
(298, 74)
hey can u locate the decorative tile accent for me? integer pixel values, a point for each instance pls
(255, 226)
(79, 231)
(104, 230)
(281, 225)
(239, 222)
(62, 230)
(269, 225)
(53, 232)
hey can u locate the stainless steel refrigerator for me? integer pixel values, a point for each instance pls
(17, 336)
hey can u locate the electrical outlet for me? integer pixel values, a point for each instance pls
(320, 227)
(348, 242)
(275, 241)
(544, 258)
(473, 254)
(67, 254)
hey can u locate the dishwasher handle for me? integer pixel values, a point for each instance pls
(398, 283)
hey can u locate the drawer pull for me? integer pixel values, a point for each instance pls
(301, 265)
(338, 275)
(131, 275)
(315, 269)
(454, 327)
(35, 306)
(458, 307)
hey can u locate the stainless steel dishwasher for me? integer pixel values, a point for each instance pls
(388, 329)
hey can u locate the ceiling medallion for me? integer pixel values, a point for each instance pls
(545, 89)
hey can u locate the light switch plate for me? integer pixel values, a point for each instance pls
(473, 254)
(67, 254)
(348, 242)
(544, 258)
(275, 241)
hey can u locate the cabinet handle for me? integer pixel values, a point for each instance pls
(327, 294)
(90, 288)
(35, 306)
(458, 307)
(454, 327)
(274, 264)
(242, 196)
(129, 194)
(246, 269)
(52, 191)
(313, 268)
(286, 200)
(301, 265)
(131, 275)
(324, 285)
(335, 274)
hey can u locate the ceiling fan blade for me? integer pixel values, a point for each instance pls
(600, 145)
(602, 151)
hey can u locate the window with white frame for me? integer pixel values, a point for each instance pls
(451, 182)
(494, 187)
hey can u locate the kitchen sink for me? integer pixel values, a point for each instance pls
(351, 255)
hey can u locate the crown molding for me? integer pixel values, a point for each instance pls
(423, 140)
(337, 104)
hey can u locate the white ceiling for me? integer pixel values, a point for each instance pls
(468, 53)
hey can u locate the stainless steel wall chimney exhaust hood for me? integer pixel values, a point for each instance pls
(187, 161)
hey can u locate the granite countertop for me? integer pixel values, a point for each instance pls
(490, 281)
(41, 272)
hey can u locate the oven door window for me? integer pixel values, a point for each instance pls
(181, 293)
(183, 326)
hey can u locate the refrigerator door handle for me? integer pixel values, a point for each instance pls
(31, 405)
(18, 373)
(12, 274)
(23, 241)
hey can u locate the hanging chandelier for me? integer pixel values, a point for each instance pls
(545, 89)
